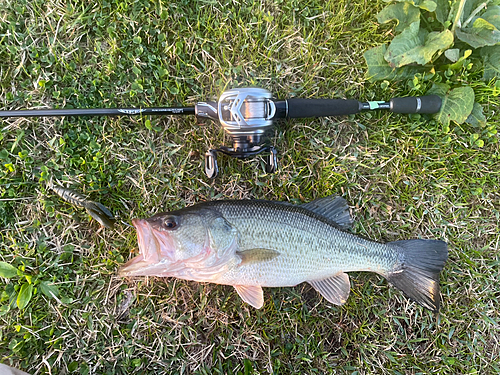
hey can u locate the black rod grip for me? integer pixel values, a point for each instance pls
(420, 104)
(321, 107)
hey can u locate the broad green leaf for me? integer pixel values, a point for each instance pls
(73, 366)
(491, 61)
(439, 89)
(481, 34)
(7, 271)
(379, 69)
(4, 296)
(428, 5)
(412, 46)
(442, 11)
(49, 289)
(452, 54)
(404, 14)
(24, 296)
(13, 300)
(476, 118)
(408, 40)
(485, 30)
(4, 309)
(15, 345)
(470, 7)
(492, 15)
(461, 61)
(457, 106)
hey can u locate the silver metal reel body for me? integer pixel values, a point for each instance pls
(246, 111)
(246, 114)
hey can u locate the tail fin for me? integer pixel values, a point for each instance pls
(418, 274)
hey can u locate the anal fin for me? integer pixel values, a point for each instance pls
(335, 289)
(253, 295)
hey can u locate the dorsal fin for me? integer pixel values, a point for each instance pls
(332, 207)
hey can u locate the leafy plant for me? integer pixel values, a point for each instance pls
(20, 294)
(442, 42)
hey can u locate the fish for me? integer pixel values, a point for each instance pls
(97, 210)
(251, 244)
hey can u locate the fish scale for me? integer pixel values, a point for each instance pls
(311, 247)
(251, 244)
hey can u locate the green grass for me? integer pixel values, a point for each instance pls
(405, 177)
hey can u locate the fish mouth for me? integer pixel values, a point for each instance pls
(155, 252)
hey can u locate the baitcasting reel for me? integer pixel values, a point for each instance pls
(247, 116)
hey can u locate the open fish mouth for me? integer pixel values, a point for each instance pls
(132, 266)
(154, 250)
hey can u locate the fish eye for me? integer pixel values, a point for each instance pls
(170, 223)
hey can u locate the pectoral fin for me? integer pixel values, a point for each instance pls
(253, 295)
(256, 256)
(335, 289)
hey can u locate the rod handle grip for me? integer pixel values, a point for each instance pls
(321, 107)
(420, 104)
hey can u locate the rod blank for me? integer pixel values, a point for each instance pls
(98, 112)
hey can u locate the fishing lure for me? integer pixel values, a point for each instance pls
(95, 209)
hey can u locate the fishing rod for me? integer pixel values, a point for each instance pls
(247, 116)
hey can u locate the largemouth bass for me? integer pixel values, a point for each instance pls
(251, 244)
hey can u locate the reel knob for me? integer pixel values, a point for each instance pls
(271, 160)
(211, 167)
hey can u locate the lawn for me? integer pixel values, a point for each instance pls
(405, 176)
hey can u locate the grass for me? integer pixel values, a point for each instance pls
(405, 177)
